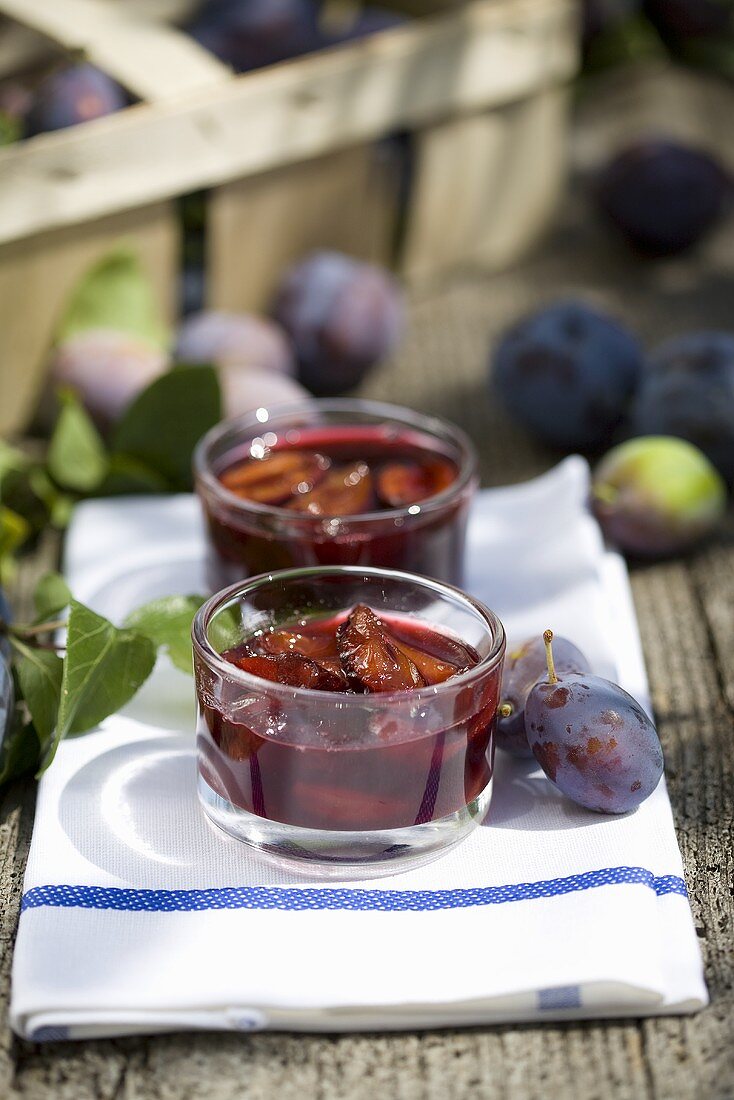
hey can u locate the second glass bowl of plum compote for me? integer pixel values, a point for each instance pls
(346, 716)
(335, 482)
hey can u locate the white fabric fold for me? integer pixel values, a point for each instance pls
(140, 917)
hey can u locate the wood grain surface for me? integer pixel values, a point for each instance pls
(686, 614)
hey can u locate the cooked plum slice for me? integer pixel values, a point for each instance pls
(276, 477)
(316, 646)
(431, 668)
(291, 669)
(370, 656)
(344, 491)
(401, 483)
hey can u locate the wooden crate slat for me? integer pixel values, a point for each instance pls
(37, 275)
(257, 226)
(491, 208)
(491, 52)
(150, 59)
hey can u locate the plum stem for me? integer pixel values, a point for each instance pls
(548, 640)
(505, 710)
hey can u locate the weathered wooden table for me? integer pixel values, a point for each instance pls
(686, 613)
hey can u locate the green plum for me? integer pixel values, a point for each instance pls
(657, 496)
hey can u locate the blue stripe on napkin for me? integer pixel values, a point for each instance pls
(297, 898)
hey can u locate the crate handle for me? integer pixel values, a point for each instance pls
(152, 60)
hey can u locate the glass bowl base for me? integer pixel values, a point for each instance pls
(337, 854)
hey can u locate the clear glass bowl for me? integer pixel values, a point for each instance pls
(348, 784)
(246, 538)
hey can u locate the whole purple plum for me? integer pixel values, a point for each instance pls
(364, 22)
(246, 390)
(524, 666)
(107, 369)
(687, 390)
(248, 34)
(663, 196)
(342, 317)
(567, 373)
(70, 96)
(593, 740)
(240, 339)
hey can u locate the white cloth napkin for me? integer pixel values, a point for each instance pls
(139, 916)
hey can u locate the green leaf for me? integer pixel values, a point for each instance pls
(13, 531)
(167, 420)
(103, 668)
(76, 457)
(225, 629)
(39, 674)
(51, 596)
(20, 751)
(129, 475)
(115, 294)
(167, 622)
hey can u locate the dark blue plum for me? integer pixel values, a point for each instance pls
(366, 21)
(7, 697)
(567, 373)
(249, 34)
(342, 317)
(663, 196)
(594, 742)
(681, 20)
(524, 666)
(687, 390)
(77, 94)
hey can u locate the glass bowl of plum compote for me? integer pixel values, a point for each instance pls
(346, 716)
(335, 482)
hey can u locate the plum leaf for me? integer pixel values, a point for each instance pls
(115, 294)
(76, 457)
(103, 668)
(167, 623)
(51, 596)
(39, 675)
(166, 421)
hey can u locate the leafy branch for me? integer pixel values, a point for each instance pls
(51, 689)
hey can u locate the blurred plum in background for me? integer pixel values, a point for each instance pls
(107, 369)
(240, 339)
(687, 390)
(72, 95)
(662, 196)
(567, 373)
(342, 316)
(657, 496)
(246, 390)
(248, 34)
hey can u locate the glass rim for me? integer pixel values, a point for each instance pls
(214, 660)
(430, 425)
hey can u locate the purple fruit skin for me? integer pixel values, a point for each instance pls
(687, 390)
(241, 339)
(249, 34)
(663, 196)
(368, 20)
(594, 742)
(567, 373)
(524, 666)
(74, 95)
(342, 316)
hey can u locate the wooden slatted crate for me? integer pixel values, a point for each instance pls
(289, 156)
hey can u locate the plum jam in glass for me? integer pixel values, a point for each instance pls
(346, 716)
(335, 482)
